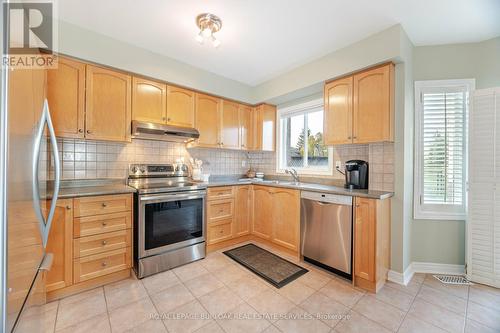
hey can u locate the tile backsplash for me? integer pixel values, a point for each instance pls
(99, 159)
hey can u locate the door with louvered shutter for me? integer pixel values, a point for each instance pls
(483, 221)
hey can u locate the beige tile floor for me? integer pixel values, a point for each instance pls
(218, 295)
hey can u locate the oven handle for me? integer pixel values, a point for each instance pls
(173, 196)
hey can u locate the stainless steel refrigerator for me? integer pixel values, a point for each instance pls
(28, 195)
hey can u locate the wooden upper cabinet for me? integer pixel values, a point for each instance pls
(338, 111)
(207, 118)
(107, 104)
(180, 106)
(286, 218)
(149, 100)
(262, 212)
(265, 127)
(373, 106)
(246, 125)
(243, 213)
(364, 239)
(66, 98)
(60, 244)
(230, 125)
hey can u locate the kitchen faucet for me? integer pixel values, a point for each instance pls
(294, 174)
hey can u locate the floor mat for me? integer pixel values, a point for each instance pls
(275, 270)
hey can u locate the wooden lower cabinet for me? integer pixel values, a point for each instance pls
(97, 265)
(270, 213)
(262, 225)
(243, 210)
(371, 243)
(91, 239)
(60, 244)
(277, 215)
(90, 245)
(286, 218)
(220, 231)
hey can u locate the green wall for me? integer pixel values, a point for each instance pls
(439, 241)
(91, 46)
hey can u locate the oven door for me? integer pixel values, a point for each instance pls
(170, 221)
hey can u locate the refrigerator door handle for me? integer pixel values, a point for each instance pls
(46, 264)
(45, 225)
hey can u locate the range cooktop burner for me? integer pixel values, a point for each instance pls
(160, 178)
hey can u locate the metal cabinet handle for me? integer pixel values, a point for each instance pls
(45, 225)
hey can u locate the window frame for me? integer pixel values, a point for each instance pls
(438, 211)
(297, 109)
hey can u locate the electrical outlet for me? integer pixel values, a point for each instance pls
(338, 164)
(243, 164)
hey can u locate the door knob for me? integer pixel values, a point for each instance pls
(104, 264)
(104, 224)
(80, 130)
(88, 131)
(68, 207)
(104, 242)
(104, 205)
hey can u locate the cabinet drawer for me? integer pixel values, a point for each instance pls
(99, 224)
(224, 192)
(220, 209)
(104, 204)
(109, 241)
(90, 267)
(219, 231)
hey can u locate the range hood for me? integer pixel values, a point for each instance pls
(162, 132)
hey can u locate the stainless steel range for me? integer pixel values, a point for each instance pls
(169, 228)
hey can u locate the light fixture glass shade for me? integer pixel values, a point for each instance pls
(215, 42)
(207, 32)
(199, 38)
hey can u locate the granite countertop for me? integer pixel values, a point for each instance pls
(303, 186)
(85, 188)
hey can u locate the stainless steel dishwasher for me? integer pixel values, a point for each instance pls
(326, 231)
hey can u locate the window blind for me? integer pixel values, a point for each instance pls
(443, 146)
(441, 140)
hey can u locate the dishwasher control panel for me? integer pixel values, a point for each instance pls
(326, 197)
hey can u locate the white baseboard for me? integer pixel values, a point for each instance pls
(424, 267)
(434, 268)
(401, 278)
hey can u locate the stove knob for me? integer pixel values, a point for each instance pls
(143, 169)
(134, 169)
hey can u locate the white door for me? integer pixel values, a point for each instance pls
(483, 220)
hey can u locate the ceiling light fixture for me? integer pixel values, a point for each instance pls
(208, 24)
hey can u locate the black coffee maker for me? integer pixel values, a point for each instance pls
(356, 174)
